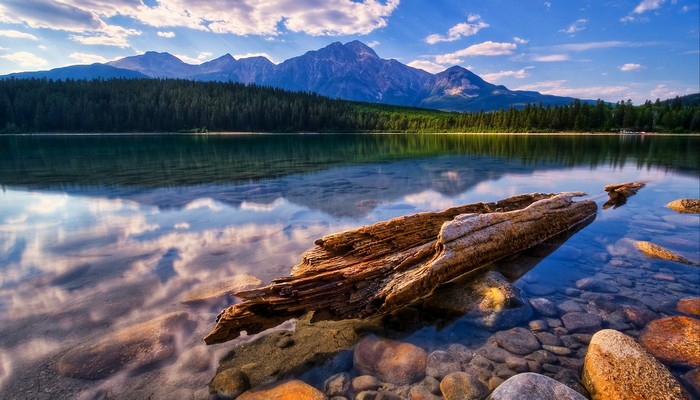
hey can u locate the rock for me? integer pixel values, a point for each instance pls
(287, 390)
(489, 299)
(596, 285)
(229, 383)
(691, 206)
(639, 317)
(494, 353)
(517, 364)
(390, 361)
(441, 363)
(367, 395)
(537, 325)
(557, 350)
(549, 339)
(131, 347)
(655, 251)
(462, 386)
(531, 386)
(221, 288)
(576, 322)
(673, 340)
(460, 353)
(690, 306)
(542, 357)
(517, 341)
(421, 393)
(431, 384)
(544, 307)
(569, 306)
(337, 385)
(616, 367)
(365, 382)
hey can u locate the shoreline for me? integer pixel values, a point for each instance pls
(346, 133)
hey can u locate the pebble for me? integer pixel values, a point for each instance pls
(538, 325)
(544, 307)
(531, 386)
(390, 361)
(596, 285)
(229, 383)
(517, 341)
(460, 352)
(462, 386)
(576, 322)
(537, 289)
(557, 350)
(616, 367)
(569, 306)
(547, 338)
(494, 353)
(364, 382)
(337, 385)
(440, 363)
(673, 340)
(542, 357)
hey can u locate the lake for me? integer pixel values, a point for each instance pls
(99, 233)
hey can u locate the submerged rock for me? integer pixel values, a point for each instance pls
(440, 363)
(531, 386)
(616, 367)
(517, 341)
(576, 322)
(674, 340)
(229, 384)
(690, 206)
(463, 386)
(389, 360)
(128, 348)
(655, 251)
(690, 306)
(489, 299)
(289, 390)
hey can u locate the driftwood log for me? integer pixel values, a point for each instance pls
(619, 192)
(381, 267)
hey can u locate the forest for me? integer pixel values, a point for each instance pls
(175, 105)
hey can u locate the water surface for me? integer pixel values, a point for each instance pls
(99, 232)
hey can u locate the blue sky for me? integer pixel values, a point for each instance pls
(608, 49)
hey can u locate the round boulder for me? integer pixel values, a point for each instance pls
(288, 390)
(389, 360)
(674, 340)
(462, 386)
(617, 367)
(531, 386)
(691, 206)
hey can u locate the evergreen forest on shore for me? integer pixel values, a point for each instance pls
(177, 105)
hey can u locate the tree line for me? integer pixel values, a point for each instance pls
(176, 105)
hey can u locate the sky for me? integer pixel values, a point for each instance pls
(608, 49)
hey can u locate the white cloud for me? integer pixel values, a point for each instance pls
(664, 92)
(519, 40)
(11, 33)
(25, 59)
(469, 28)
(560, 88)
(630, 67)
(373, 43)
(428, 66)
(201, 57)
(647, 5)
(90, 21)
(598, 45)
(168, 35)
(577, 26)
(487, 48)
(494, 76)
(551, 58)
(642, 7)
(84, 58)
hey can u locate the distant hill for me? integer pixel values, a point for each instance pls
(92, 71)
(350, 71)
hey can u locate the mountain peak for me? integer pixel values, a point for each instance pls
(361, 49)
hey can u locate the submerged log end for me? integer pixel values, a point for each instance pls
(619, 192)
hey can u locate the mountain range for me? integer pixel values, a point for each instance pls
(350, 71)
